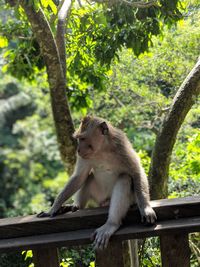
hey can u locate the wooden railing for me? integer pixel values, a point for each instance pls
(176, 218)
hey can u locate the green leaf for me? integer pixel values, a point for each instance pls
(52, 6)
(44, 3)
(3, 42)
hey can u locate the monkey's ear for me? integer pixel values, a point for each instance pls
(104, 128)
(75, 135)
(86, 119)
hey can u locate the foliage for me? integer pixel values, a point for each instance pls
(185, 167)
(149, 83)
(134, 28)
(109, 28)
(149, 252)
(70, 258)
(22, 53)
(29, 159)
(79, 256)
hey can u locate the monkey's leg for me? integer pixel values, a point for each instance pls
(84, 194)
(90, 190)
(119, 205)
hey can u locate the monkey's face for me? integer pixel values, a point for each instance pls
(92, 141)
(85, 148)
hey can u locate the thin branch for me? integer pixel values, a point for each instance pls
(60, 6)
(63, 14)
(139, 4)
(64, 10)
(80, 4)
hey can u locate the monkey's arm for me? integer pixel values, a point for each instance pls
(79, 176)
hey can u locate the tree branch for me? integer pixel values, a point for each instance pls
(139, 4)
(60, 35)
(185, 97)
(61, 112)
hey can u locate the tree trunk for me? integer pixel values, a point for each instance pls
(61, 112)
(182, 103)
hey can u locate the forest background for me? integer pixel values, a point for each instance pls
(131, 85)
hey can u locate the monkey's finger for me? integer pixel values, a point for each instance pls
(62, 210)
(96, 244)
(75, 208)
(98, 241)
(106, 240)
(93, 236)
(101, 242)
(148, 219)
(54, 214)
(43, 214)
(153, 218)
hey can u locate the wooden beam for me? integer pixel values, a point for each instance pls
(43, 257)
(80, 237)
(93, 218)
(175, 250)
(112, 256)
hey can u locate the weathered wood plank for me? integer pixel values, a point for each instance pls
(93, 218)
(79, 237)
(175, 250)
(133, 247)
(43, 257)
(112, 256)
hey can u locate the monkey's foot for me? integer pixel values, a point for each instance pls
(61, 210)
(148, 216)
(102, 235)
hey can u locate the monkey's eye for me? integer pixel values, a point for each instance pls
(82, 138)
(90, 146)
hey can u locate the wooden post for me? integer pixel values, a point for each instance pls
(110, 257)
(43, 257)
(175, 251)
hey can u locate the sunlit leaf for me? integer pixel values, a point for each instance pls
(44, 3)
(3, 42)
(52, 6)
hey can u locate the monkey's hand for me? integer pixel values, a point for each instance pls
(148, 215)
(61, 210)
(43, 214)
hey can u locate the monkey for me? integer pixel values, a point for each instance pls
(108, 171)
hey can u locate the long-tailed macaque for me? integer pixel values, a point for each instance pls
(108, 171)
